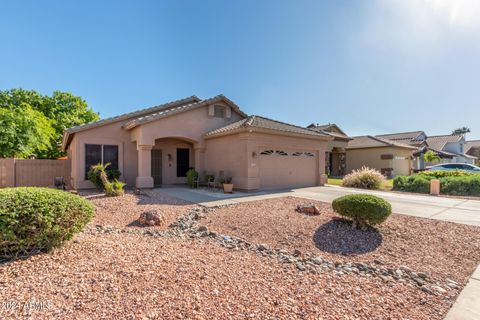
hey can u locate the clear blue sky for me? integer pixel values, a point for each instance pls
(372, 66)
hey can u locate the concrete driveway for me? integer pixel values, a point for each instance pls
(440, 208)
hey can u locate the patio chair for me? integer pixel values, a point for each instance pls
(216, 181)
(198, 180)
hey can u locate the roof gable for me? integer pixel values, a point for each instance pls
(439, 142)
(182, 108)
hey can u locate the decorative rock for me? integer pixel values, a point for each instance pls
(297, 253)
(317, 260)
(262, 247)
(439, 289)
(311, 210)
(422, 275)
(300, 266)
(151, 218)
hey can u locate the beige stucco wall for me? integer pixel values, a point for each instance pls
(239, 156)
(371, 157)
(111, 134)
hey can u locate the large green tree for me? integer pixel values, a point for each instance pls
(38, 121)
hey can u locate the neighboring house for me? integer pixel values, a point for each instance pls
(450, 148)
(335, 157)
(157, 146)
(390, 157)
(472, 148)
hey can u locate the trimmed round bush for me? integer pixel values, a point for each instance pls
(365, 178)
(363, 209)
(39, 219)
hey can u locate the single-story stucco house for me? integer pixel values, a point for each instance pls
(390, 157)
(157, 146)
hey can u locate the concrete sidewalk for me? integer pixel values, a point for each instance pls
(425, 206)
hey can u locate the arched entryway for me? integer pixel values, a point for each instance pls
(171, 158)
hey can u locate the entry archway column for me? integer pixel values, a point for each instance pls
(144, 178)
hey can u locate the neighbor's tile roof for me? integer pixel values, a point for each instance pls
(471, 144)
(402, 136)
(255, 121)
(328, 130)
(178, 109)
(374, 142)
(439, 142)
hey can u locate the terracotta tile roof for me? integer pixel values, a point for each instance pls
(403, 136)
(133, 114)
(255, 121)
(439, 142)
(472, 144)
(375, 142)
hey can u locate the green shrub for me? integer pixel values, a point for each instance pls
(114, 189)
(455, 182)
(417, 183)
(461, 186)
(363, 209)
(39, 219)
(191, 176)
(94, 174)
(437, 174)
(364, 178)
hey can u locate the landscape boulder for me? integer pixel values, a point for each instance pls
(311, 210)
(151, 218)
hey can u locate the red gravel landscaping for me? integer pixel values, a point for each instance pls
(124, 211)
(127, 276)
(440, 249)
(127, 272)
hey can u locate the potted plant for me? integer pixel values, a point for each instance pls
(227, 185)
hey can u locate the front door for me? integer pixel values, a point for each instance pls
(156, 167)
(183, 162)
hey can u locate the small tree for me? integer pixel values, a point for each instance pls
(431, 157)
(462, 130)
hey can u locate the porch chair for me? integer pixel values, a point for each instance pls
(198, 179)
(215, 181)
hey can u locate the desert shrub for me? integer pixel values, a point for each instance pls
(461, 186)
(365, 178)
(39, 219)
(416, 183)
(94, 174)
(363, 209)
(191, 176)
(114, 188)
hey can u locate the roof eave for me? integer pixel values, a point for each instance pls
(252, 129)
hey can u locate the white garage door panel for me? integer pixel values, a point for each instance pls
(287, 171)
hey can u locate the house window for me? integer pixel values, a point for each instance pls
(281, 153)
(297, 154)
(309, 154)
(219, 111)
(100, 154)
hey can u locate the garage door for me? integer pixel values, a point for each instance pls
(280, 168)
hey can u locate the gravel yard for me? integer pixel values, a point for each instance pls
(129, 276)
(115, 269)
(124, 211)
(441, 249)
